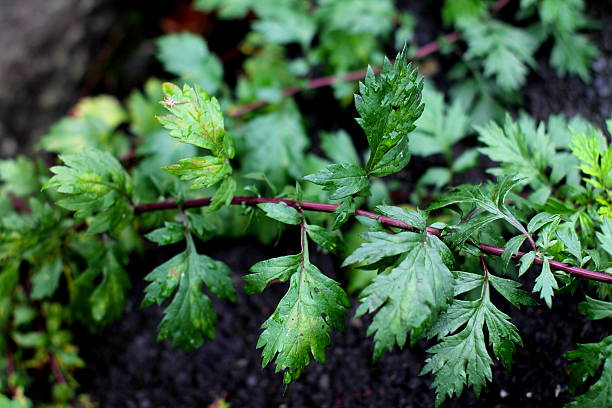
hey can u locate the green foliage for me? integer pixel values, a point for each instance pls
(388, 106)
(96, 187)
(190, 317)
(462, 356)
(588, 358)
(301, 324)
(433, 281)
(187, 56)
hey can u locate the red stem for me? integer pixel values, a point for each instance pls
(57, 371)
(324, 207)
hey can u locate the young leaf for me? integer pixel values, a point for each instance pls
(512, 248)
(605, 236)
(595, 309)
(343, 180)
(388, 105)
(526, 262)
(46, 279)
(281, 212)
(94, 182)
(546, 283)
(109, 298)
(196, 118)
(339, 147)
(190, 316)
(409, 297)
(204, 171)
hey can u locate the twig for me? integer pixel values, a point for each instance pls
(392, 222)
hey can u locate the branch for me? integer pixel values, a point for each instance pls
(392, 222)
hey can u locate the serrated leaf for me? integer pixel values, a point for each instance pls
(587, 359)
(512, 248)
(281, 212)
(509, 289)
(170, 233)
(415, 218)
(567, 234)
(187, 56)
(329, 240)
(506, 51)
(595, 309)
(301, 324)
(526, 262)
(539, 220)
(409, 297)
(196, 118)
(94, 183)
(605, 236)
(388, 105)
(343, 180)
(462, 358)
(204, 171)
(263, 272)
(546, 283)
(378, 245)
(224, 194)
(190, 316)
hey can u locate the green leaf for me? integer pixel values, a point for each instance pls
(109, 298)
(94, 184)
(190, 316)
(605, 236)
(339, 147)
(567, 234)
(378, 245)
(301, 324)
(539, 220)
(343, 180)
(595, 309)
(187, 56)
(462, 358)
(19, 176)
(170, 233)
(204, 171)
(357, 16)
(526, 262)
(196, 118)
(281, 212)
(596, 156)
(274, 144)
(509, 289)
(415, 218)
(344, 211)
(512, 248)
(587, 359)
(326, 239)
(546, 283)
(409, 297)
(46, 279)
(224, 194)
(573, 54)
(506, 51)
(285, 22)
(440, 126)
(388, 105)
(263, 272)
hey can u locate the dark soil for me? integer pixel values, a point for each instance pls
(128, 367)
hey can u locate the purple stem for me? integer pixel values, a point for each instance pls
(323, 207)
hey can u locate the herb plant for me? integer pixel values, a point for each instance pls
(437, 272)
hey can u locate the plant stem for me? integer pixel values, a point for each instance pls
(392, 222)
